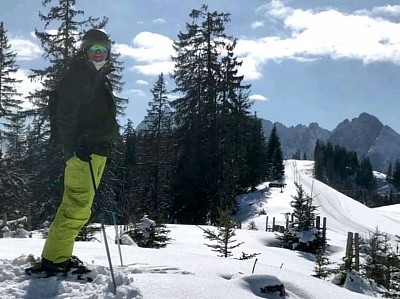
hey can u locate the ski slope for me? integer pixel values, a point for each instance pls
(342, 212)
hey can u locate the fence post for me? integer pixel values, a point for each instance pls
(4, 220)
(266, 224)
(356, 252)
(324, 228)
(349, 251)
(318, 222)
(273, 224)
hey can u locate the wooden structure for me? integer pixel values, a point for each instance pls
(352, 258)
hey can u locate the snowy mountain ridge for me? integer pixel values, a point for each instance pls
(365, 135)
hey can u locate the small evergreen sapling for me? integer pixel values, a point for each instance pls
(302, 235)
(87, 233)
(149, 234)
(224, 234)
(321, 262)
(377, 250)
(252, 225)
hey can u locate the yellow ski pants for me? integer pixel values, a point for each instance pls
(75, 208)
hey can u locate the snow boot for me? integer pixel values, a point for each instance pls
(72, 267)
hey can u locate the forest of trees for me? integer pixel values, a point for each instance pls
(195, 155)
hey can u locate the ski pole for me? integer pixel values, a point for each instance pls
(114, 218)
(100, 208)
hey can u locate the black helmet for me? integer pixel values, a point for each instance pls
(96, 36)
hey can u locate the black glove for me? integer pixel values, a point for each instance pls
(83, 151)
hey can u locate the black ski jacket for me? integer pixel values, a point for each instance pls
(86, 111)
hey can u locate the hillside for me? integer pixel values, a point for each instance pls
(186, 268)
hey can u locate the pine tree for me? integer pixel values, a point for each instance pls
(302, 235)
(125, 185)
(321, 263)
(10, 99)
(365, 177)
(276, 169)
(396, 175)
(149, 234)
(254, 170)
(197, 69)
(12, 176)
(155, 155)
(389, 174)
(223, 236)
(12, 119)
(318, 160)
(377, 250)
(234, 133)
(212, 118)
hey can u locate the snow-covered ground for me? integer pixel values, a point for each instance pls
(187, 269)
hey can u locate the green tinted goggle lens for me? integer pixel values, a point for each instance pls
(97, 48)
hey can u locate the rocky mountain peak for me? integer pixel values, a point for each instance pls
(365, 135)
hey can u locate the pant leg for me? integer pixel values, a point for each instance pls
(75, 208)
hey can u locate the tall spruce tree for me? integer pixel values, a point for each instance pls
(364, 176)
(212, 118)
(396, 175)
(256, 165)
(234, 132)
(12, 176)
(125, 185)
(10, 99)
(155, 155)
(197, 69)
(276, 169)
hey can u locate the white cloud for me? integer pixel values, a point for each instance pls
(25, 48)
(26, 86)
(257, 24)
(153, 51)
(159, 21)
(257, 97)
(155, 68)
(308, 35)
(316, 34)
(142, 82)
(250, 68)
(276, 8)
(390, 10)
(138, 92)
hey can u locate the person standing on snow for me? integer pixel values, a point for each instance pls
(87, 127)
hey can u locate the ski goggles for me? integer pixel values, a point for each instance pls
(97, 48)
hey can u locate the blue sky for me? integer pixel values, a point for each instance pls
(307, 60)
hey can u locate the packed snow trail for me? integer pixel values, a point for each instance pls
(343, 213)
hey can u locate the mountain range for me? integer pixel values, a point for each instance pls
(365, 135)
